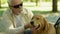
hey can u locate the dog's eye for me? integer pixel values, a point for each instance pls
(37, 18)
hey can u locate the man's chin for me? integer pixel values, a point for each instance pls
(17, 13)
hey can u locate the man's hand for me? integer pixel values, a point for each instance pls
(33, 29)
(30, 26)
(27, 26)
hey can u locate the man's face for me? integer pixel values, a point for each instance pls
(16, 7)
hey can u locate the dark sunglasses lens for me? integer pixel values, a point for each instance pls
(17, 6)
(21, 4)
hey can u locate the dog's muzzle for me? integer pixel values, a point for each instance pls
(32, 23)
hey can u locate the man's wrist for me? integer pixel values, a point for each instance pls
(24, 27)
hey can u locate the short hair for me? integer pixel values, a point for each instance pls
(11, 1)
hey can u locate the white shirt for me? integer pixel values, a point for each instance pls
(19, 21)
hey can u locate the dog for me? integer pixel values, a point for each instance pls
(43, 27)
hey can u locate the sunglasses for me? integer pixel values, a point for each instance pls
(17, 6)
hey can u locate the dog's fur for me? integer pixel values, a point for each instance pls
(58, 30)
(45, 27)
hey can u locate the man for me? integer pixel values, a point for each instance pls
(16, 19)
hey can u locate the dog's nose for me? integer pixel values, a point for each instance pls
(32, 23)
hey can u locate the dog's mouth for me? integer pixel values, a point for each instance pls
(36, 27)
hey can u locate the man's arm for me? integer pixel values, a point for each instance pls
(18, 30)
(30, 14)
(9, 29)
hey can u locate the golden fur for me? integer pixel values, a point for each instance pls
(45, 27)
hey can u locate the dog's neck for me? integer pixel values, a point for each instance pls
(45, 27)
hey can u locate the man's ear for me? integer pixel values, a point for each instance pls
(10, 7)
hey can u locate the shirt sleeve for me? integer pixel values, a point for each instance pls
(30, 14)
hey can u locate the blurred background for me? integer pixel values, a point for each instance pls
(50, 9)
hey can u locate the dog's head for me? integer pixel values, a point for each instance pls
(39, 21)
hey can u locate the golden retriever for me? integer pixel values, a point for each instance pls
(43, 26)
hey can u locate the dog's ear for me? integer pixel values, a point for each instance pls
(46, 25)
(45, 21)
